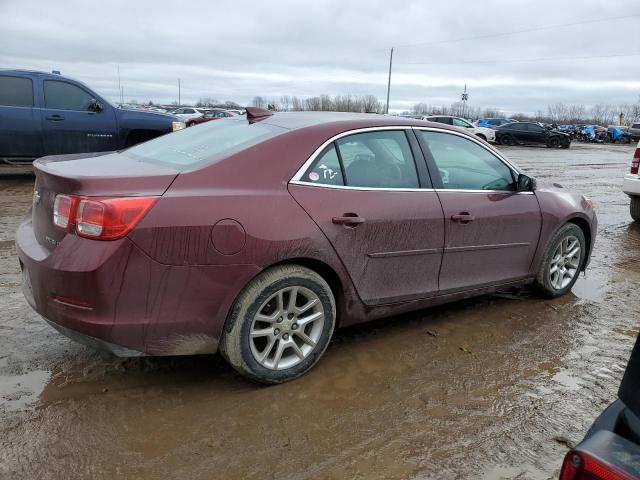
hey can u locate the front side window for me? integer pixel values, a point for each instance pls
(535, 128)
(465, 165)
(380, 159)
(458, 122)
(326, 169)
(64, 96)
(16, 92)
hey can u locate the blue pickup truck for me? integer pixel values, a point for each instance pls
(48, 114)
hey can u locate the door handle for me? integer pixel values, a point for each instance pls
(348, 219)
(463, 217)
(55, 118)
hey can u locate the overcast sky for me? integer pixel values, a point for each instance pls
(234, 50)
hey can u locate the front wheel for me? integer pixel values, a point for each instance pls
(562, 262)
(635, 208)
(280, 325)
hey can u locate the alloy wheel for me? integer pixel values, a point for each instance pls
(565, 262)
(286, 328)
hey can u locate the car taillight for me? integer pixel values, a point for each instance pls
(101, 218)
(581, 466)
(635, 162)
(64, 208)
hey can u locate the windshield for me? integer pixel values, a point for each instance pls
(205, 143)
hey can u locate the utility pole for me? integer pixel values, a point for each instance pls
(465, 97)
(389, 81)
(119, 87)
(179, 100)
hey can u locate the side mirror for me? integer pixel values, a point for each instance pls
(95, 106)
(525, 183)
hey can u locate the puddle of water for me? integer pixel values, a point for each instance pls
(20, 391)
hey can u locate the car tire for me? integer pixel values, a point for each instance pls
(554, 278)
(506, 140)
(634, 208)
(264, 305)
(566, 144)
(554, 142)
(480, 135)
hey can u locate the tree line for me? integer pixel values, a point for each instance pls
(559, 113)
(324, 103)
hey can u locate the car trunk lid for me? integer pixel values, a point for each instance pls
(90, 175)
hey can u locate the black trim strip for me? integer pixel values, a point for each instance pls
(484, 247)
(404, 253)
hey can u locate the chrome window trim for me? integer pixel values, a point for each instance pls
(297, 178)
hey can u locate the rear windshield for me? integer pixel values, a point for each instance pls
(205, 143)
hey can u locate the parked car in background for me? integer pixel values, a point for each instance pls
(486, 134)
(208, 116)
(631, 185)
(530, 133)
(244, 234)
(187, 113)
(48, 114)
(493, 122)
(634, 130)
(611, 447)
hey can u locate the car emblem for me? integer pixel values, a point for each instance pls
(36, 197)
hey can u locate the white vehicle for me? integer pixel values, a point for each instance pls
(486, 134)
(631, 185)
(187, 113)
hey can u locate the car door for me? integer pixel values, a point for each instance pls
(375, 205)
(491, 231)
(20, 134)
(536, 133)
(68, 123)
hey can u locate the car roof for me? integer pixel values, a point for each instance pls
(345, 121)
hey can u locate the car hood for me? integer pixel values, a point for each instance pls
(144, 113)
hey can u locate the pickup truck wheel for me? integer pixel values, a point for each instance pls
(635, 208)
(562, 262)
(280, 324)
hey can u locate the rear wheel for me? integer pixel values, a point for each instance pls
(562, 262)
(507, 140)
(554, 142)
(280, 325)
(635, 208)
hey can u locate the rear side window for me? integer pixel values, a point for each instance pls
(466, 165)
(16, 92)
(378, 160)
(326, 169)
(205, 144)
(65, 96)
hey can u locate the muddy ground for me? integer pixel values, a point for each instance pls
(494, 387)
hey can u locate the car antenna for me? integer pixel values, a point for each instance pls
(255, 114)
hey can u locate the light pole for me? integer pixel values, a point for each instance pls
(179, 100)
(389, 80)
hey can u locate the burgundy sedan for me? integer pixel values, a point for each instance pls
(259, 235)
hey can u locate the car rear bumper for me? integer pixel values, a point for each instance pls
(631, 184)
(112, 295)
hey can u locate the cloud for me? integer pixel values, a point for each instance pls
(234, 50)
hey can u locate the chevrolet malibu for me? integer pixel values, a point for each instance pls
(259, 235)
